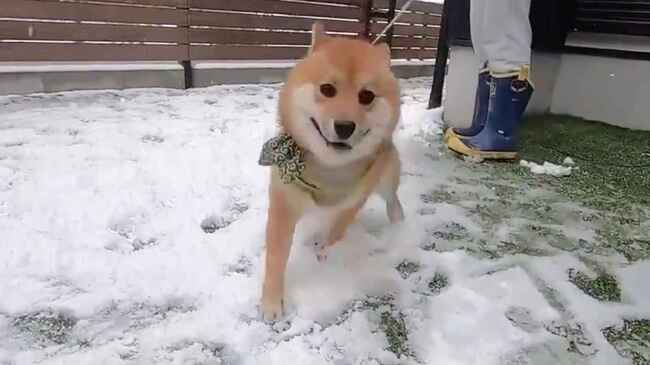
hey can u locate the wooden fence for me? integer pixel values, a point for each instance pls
(186, 30)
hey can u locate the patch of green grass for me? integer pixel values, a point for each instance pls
(438, 282)
(604, 287)
(614, 163)
(45, 327)
(396, 333)
(391, 323)
(612, 176)
(625, 235)
(632, 340)
(407, 268)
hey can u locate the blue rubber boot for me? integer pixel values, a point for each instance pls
(480, 108)
(499, 138)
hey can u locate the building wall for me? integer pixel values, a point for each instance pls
(616, 91)
(610, 90)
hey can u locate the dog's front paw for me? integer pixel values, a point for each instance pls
(395, 211)
(272, 309)
(321, 255)
(317, 242)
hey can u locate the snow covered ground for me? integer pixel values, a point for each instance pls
(132, 230)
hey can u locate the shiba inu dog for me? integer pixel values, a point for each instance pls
(338, 111)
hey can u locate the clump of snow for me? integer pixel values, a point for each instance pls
(546, 168)
(568, 161)
(473, 159)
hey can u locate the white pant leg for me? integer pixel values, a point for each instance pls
(506, 34)
(476, 16)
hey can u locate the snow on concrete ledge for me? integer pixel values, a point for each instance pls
(19, 67)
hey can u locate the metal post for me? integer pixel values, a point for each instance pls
(366, 17)
(187, 62)
(187, 70)
(440, 68)
(391, 14)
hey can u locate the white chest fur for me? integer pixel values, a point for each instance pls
(334, 183)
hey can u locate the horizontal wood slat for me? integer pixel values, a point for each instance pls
(199, 18)
(89, 52)
(420, 6)
(414, 54)
(157, 3)
(48, 10)
(415, 42)
(227, 36)
(224, 36)
(341, 2)
(407, 30)
(631, 6)
(628, 28)
(279, 7)
(630, 17)
(623, 15)
(415, 18)
(21, 30)
(426, 19)
(614, 5)
(225, 52)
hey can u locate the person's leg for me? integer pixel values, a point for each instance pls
(506, 39)
(476, 16)
(476, 19)
(506, 35)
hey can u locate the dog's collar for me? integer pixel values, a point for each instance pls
(284, 153)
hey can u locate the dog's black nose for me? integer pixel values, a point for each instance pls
(344, 128)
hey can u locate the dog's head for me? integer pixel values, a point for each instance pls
(342, 100)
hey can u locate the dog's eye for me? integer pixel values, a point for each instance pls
(328, 90)
(366, 97)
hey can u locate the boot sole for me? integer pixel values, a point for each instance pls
(456, 144)
(448, 134)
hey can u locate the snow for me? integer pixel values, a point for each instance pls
(104, 199)
(568, 161)
(547, 168)
(472, 311)
(199, 65)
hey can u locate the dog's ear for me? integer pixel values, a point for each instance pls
(318, 36)
(384, 53)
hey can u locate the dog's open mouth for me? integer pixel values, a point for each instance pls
(341, 146)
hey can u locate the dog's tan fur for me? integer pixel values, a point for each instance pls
(345, 179)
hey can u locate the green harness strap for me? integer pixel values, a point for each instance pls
(283, 151)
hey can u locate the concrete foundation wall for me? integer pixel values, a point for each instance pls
(610, 90)
(616, 91)
(46, 82)
(23, 82)
(218, 76)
